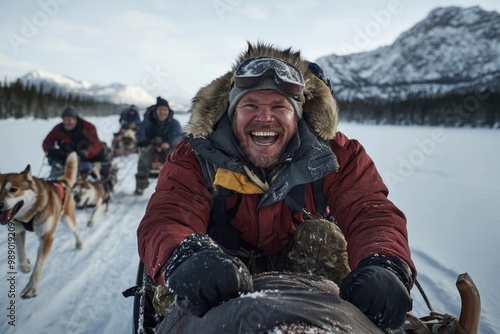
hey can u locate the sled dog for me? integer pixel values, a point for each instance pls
(123, 142)
(34, 204)
(91, 192)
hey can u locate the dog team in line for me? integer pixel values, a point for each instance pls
(81, 176)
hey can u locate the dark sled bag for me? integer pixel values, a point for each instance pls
(281, 301)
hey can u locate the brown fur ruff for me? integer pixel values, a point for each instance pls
(211, 102)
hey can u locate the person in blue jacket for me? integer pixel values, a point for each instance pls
(158, 134)
(129, 118)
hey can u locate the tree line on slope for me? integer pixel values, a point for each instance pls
(18, 100)
(476, 109)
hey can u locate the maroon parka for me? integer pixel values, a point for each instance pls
(356, 195)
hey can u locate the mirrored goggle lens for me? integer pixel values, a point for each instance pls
(290, 89)
(287, 76)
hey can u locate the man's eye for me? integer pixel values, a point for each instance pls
(279, 107)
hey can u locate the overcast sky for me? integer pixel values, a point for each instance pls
(156, 44)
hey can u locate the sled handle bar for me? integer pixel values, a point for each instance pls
(470, 313)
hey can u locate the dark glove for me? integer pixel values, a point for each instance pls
(65, 147)
(157, 141)
(56, 155)
(380, 287)
(203, 276)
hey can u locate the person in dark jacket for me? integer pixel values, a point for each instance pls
(157, 134)
(124, 141)
(263, 137)
(74, 134)
(130, 118)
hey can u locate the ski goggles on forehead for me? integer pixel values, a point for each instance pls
(286, 76)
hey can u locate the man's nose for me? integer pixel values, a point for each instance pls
(265, 113)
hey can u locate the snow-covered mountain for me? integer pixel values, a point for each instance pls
(115, 93)
(453, 50)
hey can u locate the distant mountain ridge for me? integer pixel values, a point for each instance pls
(453, 50)
(114, 93)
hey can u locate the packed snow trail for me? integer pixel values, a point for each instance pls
(80, 281)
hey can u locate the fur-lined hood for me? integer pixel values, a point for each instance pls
(212, 101)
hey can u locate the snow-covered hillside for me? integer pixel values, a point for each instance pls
(116, 93)
(445, 180)
(452, 50)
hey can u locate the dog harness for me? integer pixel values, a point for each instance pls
(61, 191)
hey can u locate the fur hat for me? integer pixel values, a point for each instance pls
(69, 111)
(268, 83)
(161, 102)
(211, 102)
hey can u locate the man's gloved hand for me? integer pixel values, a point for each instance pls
(156, 141)
(203, 276)
(379, 287)
(64, 147)
(56, 155)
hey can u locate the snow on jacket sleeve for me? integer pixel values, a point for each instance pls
(357, 197)
(180, 206)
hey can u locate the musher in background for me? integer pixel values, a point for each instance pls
(79, 135)
(130, 118)
(124, 141)
(157, 134)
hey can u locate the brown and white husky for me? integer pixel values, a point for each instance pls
(34, 204)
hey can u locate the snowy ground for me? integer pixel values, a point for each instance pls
(445, 180)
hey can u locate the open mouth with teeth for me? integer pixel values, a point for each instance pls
(6, 216)
(264, 138)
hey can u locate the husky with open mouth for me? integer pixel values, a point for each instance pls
(36, 205)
